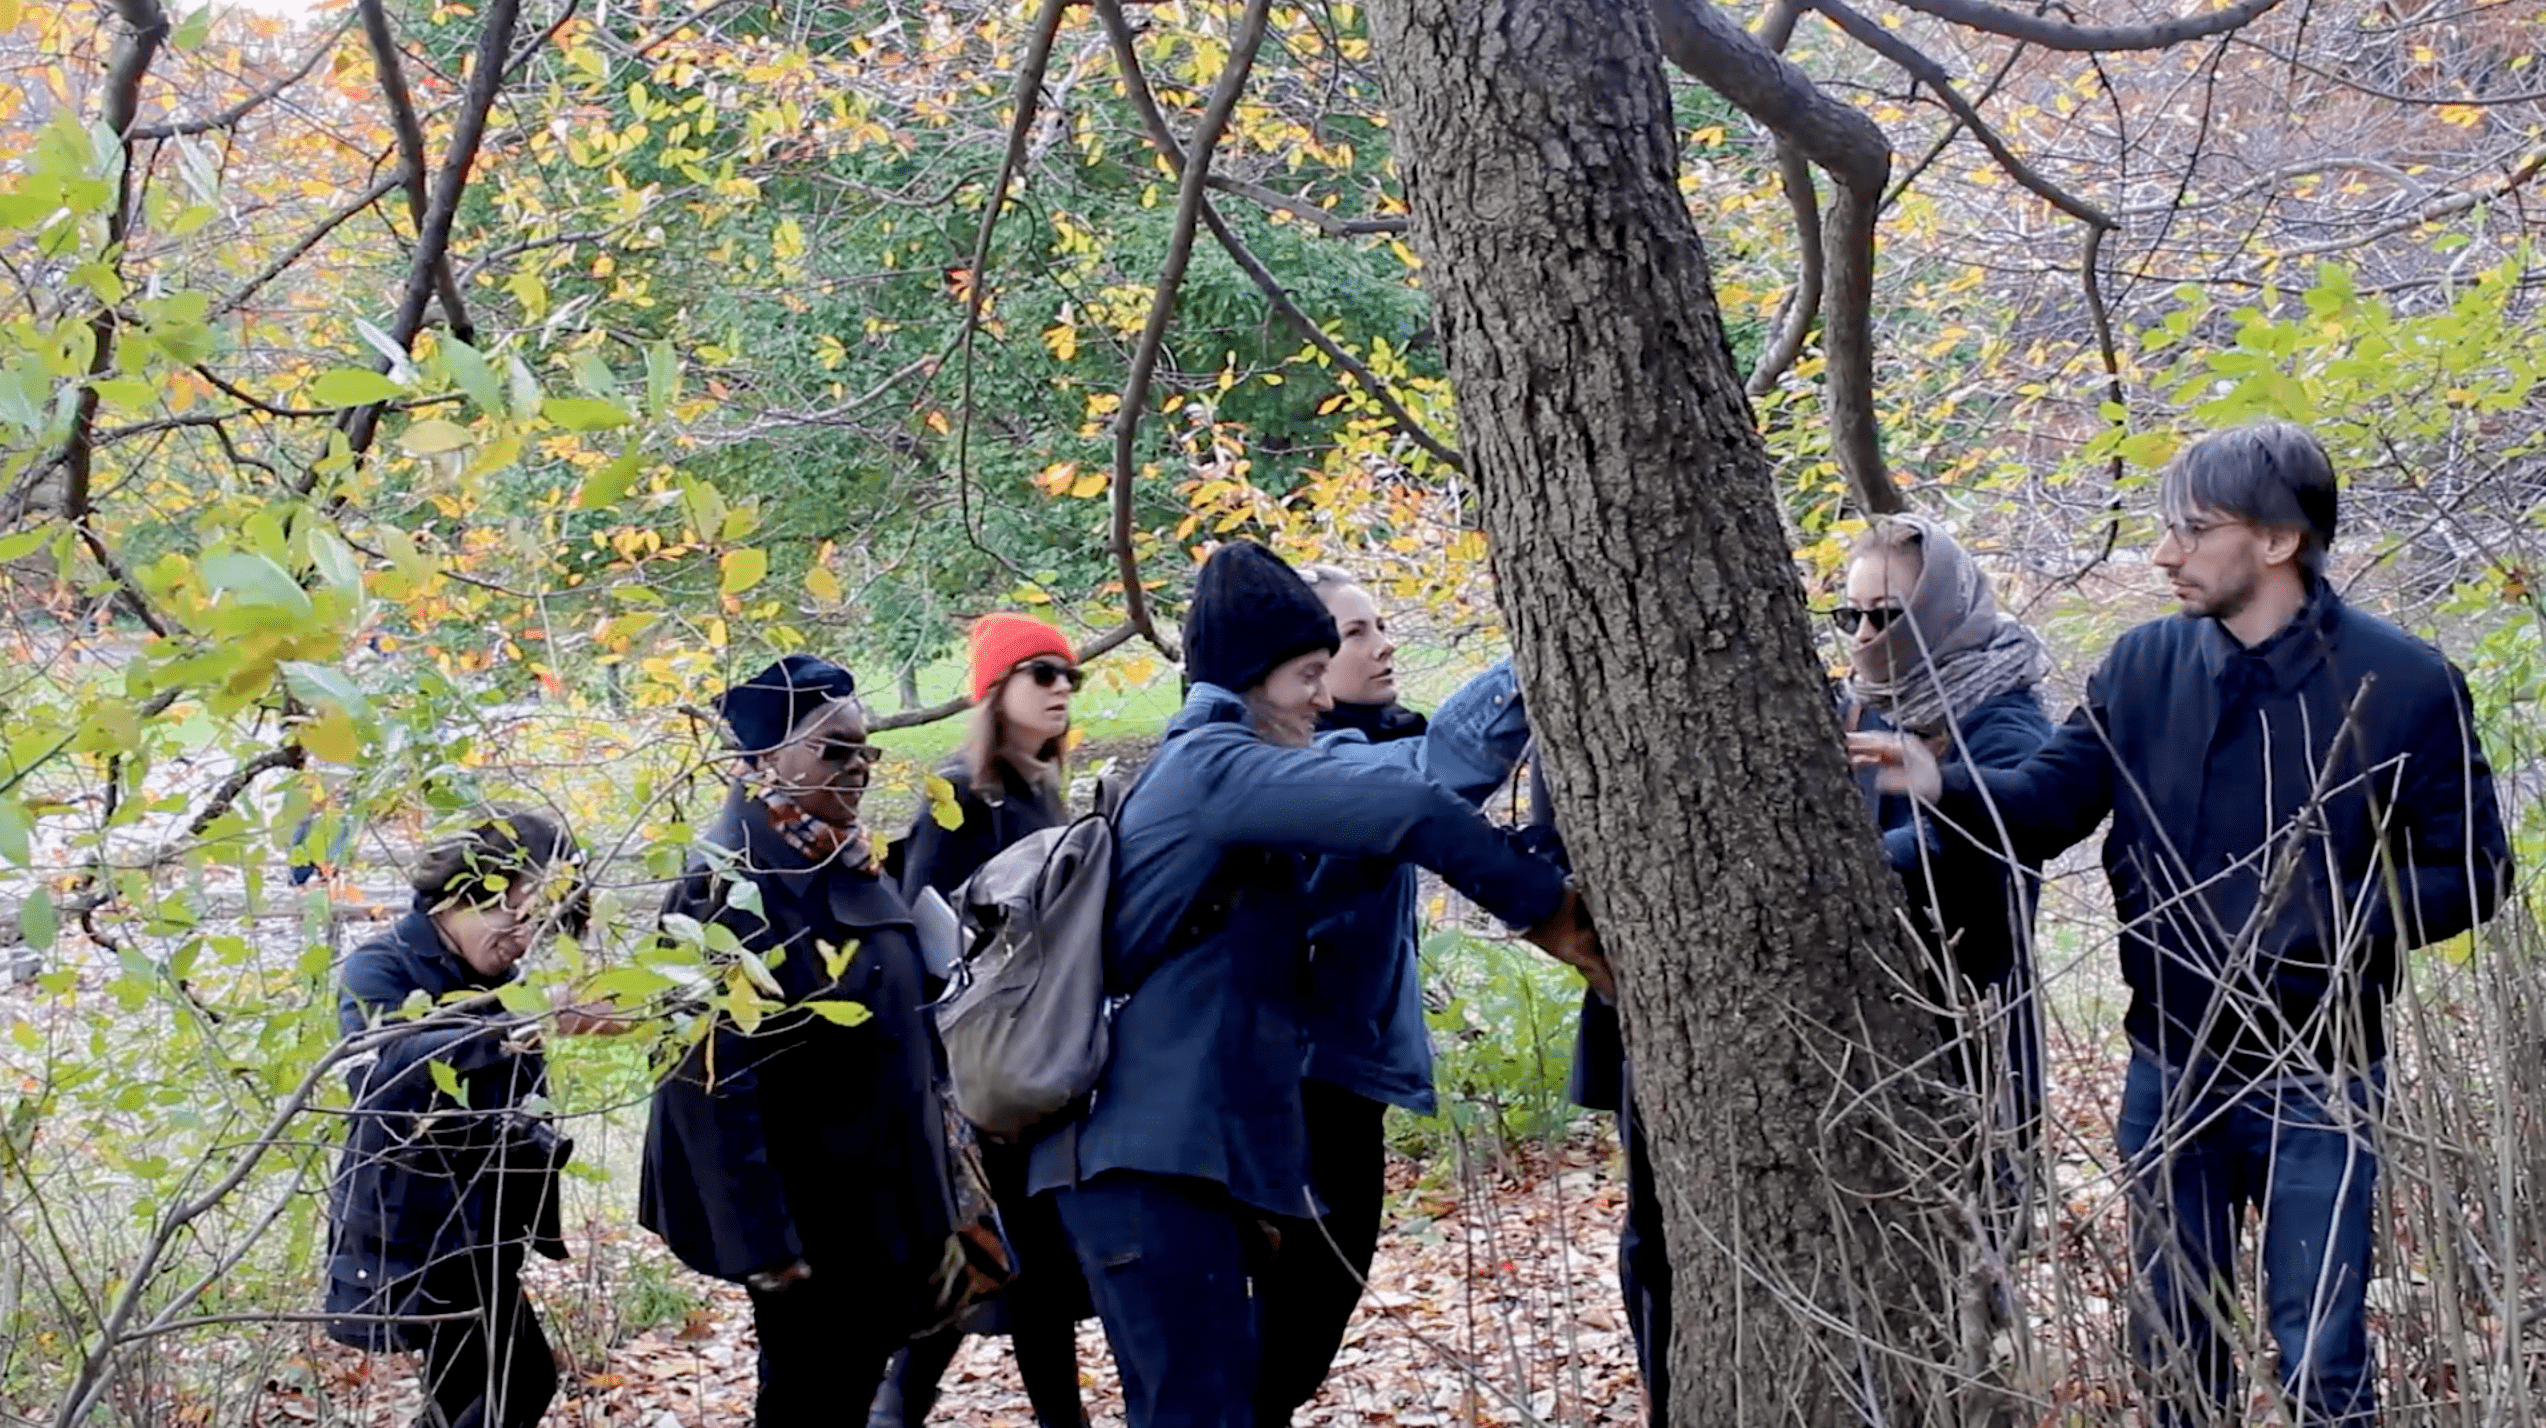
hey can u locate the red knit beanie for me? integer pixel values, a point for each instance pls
(1002, 642)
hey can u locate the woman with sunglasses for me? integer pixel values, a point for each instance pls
(439, 1196)
(1011, 778)
(791, 1151)
(1931, 654)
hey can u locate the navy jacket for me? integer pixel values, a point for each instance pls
(1210, 924)
(805, 1138)
(934, 856)
(426, 1178)
(2205, 753)
(1366, 1029)
(1961, 891)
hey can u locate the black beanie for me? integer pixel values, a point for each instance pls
(764, 709)
(1250, 613)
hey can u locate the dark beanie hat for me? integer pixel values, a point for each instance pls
(1250, 613)
(764, 709)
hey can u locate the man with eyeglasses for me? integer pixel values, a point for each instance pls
(2298, 797)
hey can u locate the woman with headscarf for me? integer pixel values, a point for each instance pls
(798, 1147)
(1009, 780)
(1194, 1134)
(440, 1195)
(1931, 654)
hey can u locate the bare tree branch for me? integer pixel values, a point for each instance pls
(249, 105)
(2038, 29)
(410, 132)
(1190, 188)
(283, 261)
(433, 236)
(1700, 38)
(1029, 95)
(1136, 84)
(1324, 220)
(1933, 75)
(1803, 303)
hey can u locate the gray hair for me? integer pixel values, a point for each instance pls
(2272, 474)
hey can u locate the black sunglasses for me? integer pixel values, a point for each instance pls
(848, 751)
(1878, 619)
(1045, 673)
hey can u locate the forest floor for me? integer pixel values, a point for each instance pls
(1494, 1301)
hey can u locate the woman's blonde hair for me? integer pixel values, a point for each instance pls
(1322, 578)
(985, 746)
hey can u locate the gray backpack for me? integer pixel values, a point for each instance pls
(1024, 1019)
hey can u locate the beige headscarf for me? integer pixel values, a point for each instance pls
(1956, 651)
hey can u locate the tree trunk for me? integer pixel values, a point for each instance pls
(1659, 622)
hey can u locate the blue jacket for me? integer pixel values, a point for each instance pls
(1210, 923)
(805, 1139)
(1961, 891)
(425, 1178)
(2206, 753)
(1365, 1028)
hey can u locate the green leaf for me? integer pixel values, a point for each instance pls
(15, 825)
(37, 922)
(354, 387)
(742, 569)
(584, 413)
(469, 368)
(662, 378)
(319, 684)
(594, 375)
(758, 971)
(447, 1080)
(255, 580)
(604, 487)
(521, 388)
(20, 543)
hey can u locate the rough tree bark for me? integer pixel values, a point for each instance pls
(1662, 632)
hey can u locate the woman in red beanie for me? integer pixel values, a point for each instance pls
(1010, 780)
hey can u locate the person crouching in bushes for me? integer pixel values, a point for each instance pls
(1010, 779)
(439, 1195)
(1195, 1134)
(804, 1156)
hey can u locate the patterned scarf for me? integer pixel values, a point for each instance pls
(819, 841)
(1955, 652)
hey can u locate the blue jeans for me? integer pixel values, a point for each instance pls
(2305, 1159)
(1167, 1261)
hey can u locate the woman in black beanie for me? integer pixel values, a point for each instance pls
(802, 1157)
(1194, 1136)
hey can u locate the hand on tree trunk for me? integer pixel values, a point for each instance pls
(1902, 763)
(1566, 935)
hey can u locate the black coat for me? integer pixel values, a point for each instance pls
(424, 1177)
(934, 856)
(2206, 754)
(805, 1139)
(1965, 901)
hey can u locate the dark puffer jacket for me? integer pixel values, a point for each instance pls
(425, 1177)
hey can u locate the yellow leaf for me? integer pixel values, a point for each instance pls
(2465, 116)
(937, 423)
(742, 569)
(942, 805)
(1090, 484)
(332, 737)
(823, 584)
